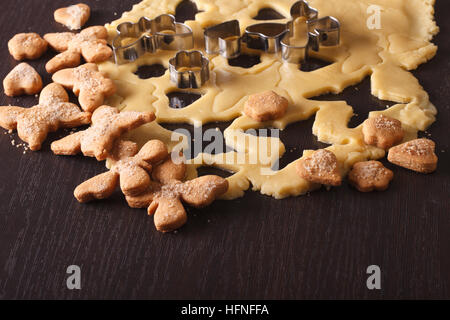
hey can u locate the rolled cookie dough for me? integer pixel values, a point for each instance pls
(385, 54)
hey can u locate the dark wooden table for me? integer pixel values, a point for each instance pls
(316, 246)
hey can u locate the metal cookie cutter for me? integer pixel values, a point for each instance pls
(224, 39)
(321, 32)
(151, 34)
(189, 69)
(265, 36)
(275, 37)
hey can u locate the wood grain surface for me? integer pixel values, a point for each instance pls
(315, 246)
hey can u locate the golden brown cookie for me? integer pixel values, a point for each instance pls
(89, 43)
(54, 111)
(169, 171)
(130, 168)
(382, 131)
(27, 46)
(320, 167)
(90, 85)
(99, 187)
(367, 176)
(108, 124)
(164, 196)
(265, 106)
(59, 41)
(417, 155)
(66, 59)
(23, 79)
(73, 17)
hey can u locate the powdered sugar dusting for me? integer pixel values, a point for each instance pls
(77, 14)
(23, 72)
(88, 79)
(321, 163)
(80, 39)
(386, 123)
(129, 165)
(371, 170)
(31, 41)
(46, 116)
(419, 147)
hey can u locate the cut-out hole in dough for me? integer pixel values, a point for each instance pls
(150, 71)
(204, 171)
(296, 138)
(182, 99)
(268, 14)
(197, 135)
(312, 64)
(245, 61)
(186, 10)
(362, 104)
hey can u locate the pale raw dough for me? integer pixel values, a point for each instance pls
(385, 55)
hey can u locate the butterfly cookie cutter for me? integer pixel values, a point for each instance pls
(225, 38)
(189, 69)
(148, 35)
